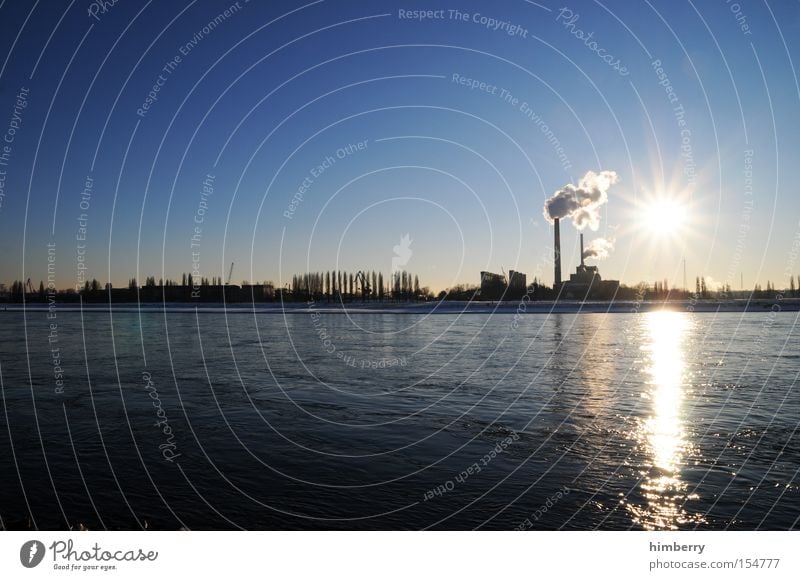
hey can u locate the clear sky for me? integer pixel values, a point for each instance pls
(467, 120)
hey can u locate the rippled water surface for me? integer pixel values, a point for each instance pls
(664, 420)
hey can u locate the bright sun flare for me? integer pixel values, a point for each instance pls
(664, 217)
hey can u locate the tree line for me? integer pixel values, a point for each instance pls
(345, 286)
(330, 285)
(363, 285)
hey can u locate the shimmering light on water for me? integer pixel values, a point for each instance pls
(664, 429)
(664, 433)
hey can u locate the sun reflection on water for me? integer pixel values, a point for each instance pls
(663, 433)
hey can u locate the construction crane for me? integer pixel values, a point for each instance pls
(230, 275)
(365, 288)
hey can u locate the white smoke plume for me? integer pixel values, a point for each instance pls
(712, 284)
(581, 202)
(599, 248)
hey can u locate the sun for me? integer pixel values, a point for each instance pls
(663, 217)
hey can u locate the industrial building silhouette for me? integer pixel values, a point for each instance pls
(585, 284)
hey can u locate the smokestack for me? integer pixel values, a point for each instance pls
(582, 250)
(557, 256)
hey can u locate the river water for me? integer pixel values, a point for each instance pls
(315, 420)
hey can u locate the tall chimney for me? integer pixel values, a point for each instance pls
(557, 257)
(581, 251)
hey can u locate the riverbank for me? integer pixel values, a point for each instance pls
(447, 307)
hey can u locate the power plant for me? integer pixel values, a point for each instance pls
(557, 257)
(585, 283)
(581, 203)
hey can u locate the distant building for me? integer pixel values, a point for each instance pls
(586, 283)
(495, 287)
(492, 285)
(582, 283)
(585, 275)
(517, 282)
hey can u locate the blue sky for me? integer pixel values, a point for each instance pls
(262, 98)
